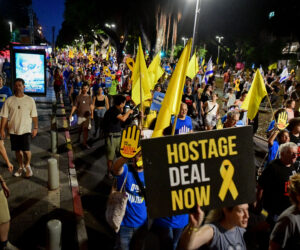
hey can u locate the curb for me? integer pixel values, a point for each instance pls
(82, 237)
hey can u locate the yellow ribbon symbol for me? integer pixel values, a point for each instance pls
(130, 63)
(228, 183)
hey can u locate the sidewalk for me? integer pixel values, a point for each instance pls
(31, 204)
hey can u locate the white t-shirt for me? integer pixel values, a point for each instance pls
(19, 111)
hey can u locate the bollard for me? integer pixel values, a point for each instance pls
(53, 174)
(53, 142)
(54, 235)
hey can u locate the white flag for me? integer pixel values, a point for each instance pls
(284, 75)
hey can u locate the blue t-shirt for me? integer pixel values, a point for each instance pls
(177, 221)
(76, 87)
(273, 152)
(183, 126)
(5, 92)
(136, 211)
(271, 125)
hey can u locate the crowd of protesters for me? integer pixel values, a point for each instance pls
(100, 93)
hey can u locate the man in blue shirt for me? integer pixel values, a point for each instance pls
(5, 92)
(133, 228)
(184, 122)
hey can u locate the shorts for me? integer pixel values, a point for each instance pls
(4, 211)
(20, 142)
(112, 143)
(84, 122)
(210, 120)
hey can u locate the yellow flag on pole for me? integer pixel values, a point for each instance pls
(272, 66)
(108, 52)
(193, 67)
(203, 62)
(140, 73)
(224, 64)
(217, 61)
(155, 71)
(255, 95)
(172, 100)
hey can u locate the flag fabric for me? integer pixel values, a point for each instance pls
(217, 61)
(108, 52)
(172, 100)
(253, 66)
(85, 51)
(155, 71)
(224, 64)
(209, 71)
(71, 53)
(140, 73)
(255, 95)
(284, 75)
(203, 62)
(193, 67)
(272, 66)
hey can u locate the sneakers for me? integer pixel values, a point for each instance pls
(28, 171)
(19, 172)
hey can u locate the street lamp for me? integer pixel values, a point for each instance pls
(184, 40)
(219, 38)
(197, 11)
(110, 25)
(10, 26)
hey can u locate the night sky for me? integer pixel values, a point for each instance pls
(49, 13)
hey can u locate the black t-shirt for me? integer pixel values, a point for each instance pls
(111, 123)
(188, 100)
(274, 182)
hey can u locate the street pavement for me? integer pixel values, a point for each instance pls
(31, 203)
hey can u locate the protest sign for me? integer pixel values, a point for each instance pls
(212, 169)
(158, 97)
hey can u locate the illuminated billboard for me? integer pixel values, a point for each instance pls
(30, 65)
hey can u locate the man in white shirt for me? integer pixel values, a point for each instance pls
(20, 110)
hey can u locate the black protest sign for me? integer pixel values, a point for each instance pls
(212, 169)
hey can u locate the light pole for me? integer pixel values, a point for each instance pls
(219, 38)
(184, 40)
(10, 26)
(197, 11)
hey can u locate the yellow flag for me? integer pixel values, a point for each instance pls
(256, 93)
(71, 53)
(108, 52)
(203, 62)
(85, 51)
(172, 100)
(272, 66)
(140, 73)
(224, 64)
(155, 71)
(217, 61)
(193, 67)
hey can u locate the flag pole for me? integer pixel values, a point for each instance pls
(141, 92)
(270, 107)
(174, 125)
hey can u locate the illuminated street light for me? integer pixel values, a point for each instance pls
(184, 40)
(111, 26)
(219, 38)
(10, 26)
(197, 11)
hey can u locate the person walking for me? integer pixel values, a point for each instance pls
(20, 110)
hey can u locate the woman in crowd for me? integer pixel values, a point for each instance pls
(223, 230)
(100, 103)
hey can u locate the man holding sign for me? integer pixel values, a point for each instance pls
(129, 168)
